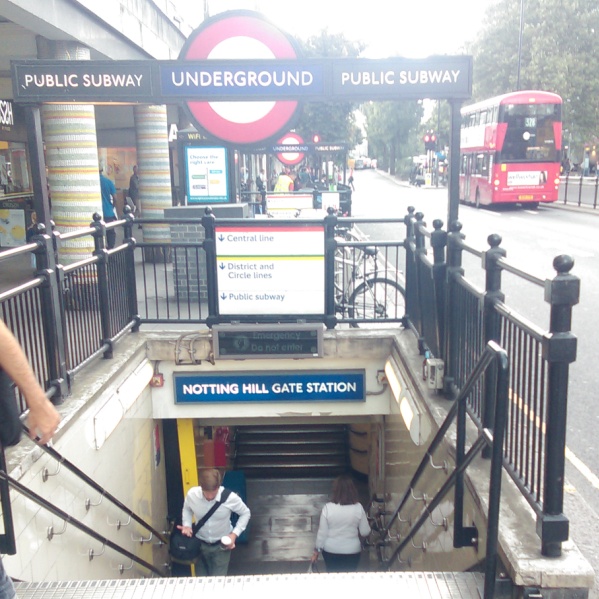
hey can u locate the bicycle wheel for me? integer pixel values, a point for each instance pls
(377, 299)
(342, 280)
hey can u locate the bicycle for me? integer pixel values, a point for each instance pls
(363, 291)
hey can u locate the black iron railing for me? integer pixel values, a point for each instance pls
(578, 190)
(68, 316)
(493, 364)
(539, 361)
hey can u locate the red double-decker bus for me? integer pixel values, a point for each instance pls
(511, 149)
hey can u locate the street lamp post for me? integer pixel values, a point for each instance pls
(520, 43)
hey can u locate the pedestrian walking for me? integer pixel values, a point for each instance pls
(342, 522)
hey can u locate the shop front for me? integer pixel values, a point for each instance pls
(16, 190)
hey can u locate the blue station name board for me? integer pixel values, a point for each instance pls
(343, 385)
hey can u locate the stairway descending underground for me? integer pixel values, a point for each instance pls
(289, 451)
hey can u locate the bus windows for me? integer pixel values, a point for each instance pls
(464, 165)
(529, 134)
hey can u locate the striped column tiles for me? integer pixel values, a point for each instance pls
(73, 173)
(151, 129)
(71, 157)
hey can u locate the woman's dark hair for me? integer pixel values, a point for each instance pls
(344, 491)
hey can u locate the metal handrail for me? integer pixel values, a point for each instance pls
(96, 486)
(76, 523)
(493, 354)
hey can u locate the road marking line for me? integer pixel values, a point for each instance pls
(570, 455)
(582, 468)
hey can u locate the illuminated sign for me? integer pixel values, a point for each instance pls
(206, 174)
(234, 81)
(225, 387)
(301, 340)
(270, 269)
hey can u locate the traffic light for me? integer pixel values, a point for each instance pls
(316, 138)
(430, 141)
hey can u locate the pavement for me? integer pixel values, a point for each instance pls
(559, 205)
(18, 269)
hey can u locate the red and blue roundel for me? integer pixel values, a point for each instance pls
(235, 35)
(291, 158)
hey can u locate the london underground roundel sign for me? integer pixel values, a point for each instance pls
(290, 158)
(233, 35)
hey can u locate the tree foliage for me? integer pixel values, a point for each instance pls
(560, 39)
(392, 128)
(559, 43)
(332, 121)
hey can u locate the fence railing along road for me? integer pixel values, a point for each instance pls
(67, 316)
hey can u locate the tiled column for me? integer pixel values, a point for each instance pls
(151, 129)
(71, 158)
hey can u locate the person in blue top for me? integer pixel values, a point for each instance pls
(108, 210)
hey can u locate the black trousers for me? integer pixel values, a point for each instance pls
(341, 562)
(110, 233)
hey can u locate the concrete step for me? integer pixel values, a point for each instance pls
(445, 585)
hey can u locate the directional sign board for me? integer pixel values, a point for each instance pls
(270, 269)
(301, 340)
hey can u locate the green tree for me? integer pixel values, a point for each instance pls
(392, 129)
(559, 45)
(333, 121)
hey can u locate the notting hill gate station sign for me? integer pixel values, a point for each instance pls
(236, 99)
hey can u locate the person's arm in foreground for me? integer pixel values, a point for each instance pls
(43, 418)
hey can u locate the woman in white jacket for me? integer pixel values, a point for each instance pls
(342, 523)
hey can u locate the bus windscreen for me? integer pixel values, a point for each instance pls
(529, 132)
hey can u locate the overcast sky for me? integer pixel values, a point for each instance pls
(410, 29)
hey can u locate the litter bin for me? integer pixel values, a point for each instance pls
(344, 199)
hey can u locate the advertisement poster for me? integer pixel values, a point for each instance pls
(12, 227)
(206, 174)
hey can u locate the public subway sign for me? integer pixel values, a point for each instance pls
(242, 80)
(342, 385)
(89, 81)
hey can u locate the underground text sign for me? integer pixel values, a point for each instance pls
(344, 385)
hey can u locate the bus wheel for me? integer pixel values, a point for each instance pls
(533, 205)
